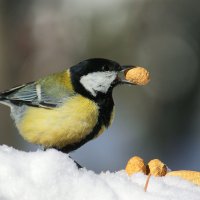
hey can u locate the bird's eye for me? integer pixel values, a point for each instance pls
(105, 68)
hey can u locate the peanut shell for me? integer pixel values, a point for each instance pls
(137, 75)
(191, 176)
(157, 168)
(134, 165)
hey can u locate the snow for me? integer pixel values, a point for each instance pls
(52, 175)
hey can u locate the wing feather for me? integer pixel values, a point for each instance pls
(26, 93)
(30, 94)
(48, 92)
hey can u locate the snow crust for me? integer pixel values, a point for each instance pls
(52, 175)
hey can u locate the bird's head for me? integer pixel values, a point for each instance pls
(96, 77)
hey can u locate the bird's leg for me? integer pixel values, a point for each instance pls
(79, 166)
(67, 150)
(64, 151)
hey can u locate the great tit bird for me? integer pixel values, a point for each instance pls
(67, 109)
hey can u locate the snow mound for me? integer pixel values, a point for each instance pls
(53, 175)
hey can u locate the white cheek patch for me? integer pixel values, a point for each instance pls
(98, 81)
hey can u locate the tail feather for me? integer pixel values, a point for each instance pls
(6, 93)
(4, 101)
(5, 96)
(1, 97)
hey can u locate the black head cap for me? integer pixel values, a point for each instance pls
(95, 65)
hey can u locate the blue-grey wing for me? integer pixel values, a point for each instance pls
(34, 94)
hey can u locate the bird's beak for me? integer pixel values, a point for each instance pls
(122, 74)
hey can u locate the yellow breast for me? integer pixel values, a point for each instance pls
(57, 127)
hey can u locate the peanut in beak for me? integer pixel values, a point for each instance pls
(137, 75)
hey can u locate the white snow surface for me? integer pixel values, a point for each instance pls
(52, 175)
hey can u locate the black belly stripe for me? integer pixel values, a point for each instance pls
(105, 103)
(105, 112)
(74, 146)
